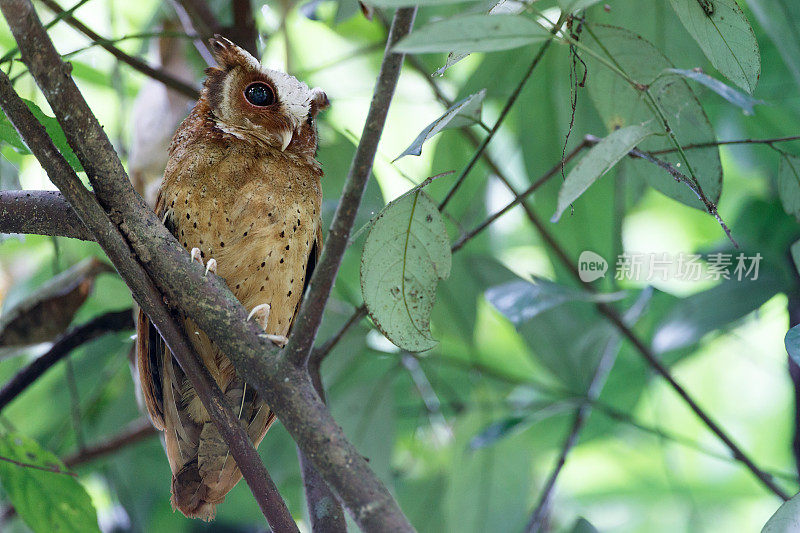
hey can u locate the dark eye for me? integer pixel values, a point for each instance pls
(259, 94)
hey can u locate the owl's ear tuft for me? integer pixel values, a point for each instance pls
(319, 101)
(227, 54)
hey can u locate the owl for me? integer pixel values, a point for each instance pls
(241, 191)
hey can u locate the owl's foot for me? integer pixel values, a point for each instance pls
(211, 266)
(261, 314)
(197, 255)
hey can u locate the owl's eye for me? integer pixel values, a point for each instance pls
(259, 94)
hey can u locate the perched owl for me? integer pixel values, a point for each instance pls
(241, 191)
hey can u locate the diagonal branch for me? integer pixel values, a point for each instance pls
(207, 300)
(147, 295)
(136, 431)
(310, 316)
(135, 63)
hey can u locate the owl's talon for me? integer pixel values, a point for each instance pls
(278, 340)
(197, 255)
(261, 312)
(211, 266)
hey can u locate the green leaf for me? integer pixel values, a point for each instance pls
(474, 33)
(786, 519)
(789, 184)
(405, 254)
(503, 7)
(10, 135)
(792, 343)
(600, 159)
(620, 105)
(728, 93)
(725, 36)
(463, 113)
(694, 316)
(795, 249)
(46, 500)
(520, 300)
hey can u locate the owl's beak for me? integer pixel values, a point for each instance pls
(286, 138)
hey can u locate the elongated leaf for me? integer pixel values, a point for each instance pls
(600, 159)
(621, 105)
(521, 300)
(728, 93)
(789, 184)
(10, 135)
(786, 519)
(405, 255)
(503, 7)
(46, 500)
(47, 312)
(795, 250)
(463, 113)
(725, 36)
(474, 33)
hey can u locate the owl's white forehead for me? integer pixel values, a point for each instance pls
(294, 95)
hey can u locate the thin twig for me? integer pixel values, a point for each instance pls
(506, 108)
(769, 142)
(136, 431)
(135, 63)
(52, 469)
(310, 315)
(320, 353)
(109, 322)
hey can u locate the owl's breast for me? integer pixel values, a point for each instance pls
(259, 225)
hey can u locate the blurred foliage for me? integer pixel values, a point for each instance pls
(465, 434)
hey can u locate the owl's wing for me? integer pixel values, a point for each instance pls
(150, 355)
(311, 263)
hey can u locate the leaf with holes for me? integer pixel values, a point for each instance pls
(44, 494)
(600, 159)
(405, 255)
(789, 184)
(725, 36)
(463, 113)
(473, 33)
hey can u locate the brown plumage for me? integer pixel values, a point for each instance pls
(242, 187)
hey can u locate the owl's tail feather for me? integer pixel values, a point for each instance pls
(189, 493)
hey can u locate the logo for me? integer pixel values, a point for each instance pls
(591, 266)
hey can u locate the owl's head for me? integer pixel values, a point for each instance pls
(260, 105)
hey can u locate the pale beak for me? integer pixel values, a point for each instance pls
(286, 138)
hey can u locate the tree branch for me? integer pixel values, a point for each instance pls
(135, 63)
(40, 212)
(109, 322)
(136, 431)
(310, 316)
(21, 15)
(207, 300)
